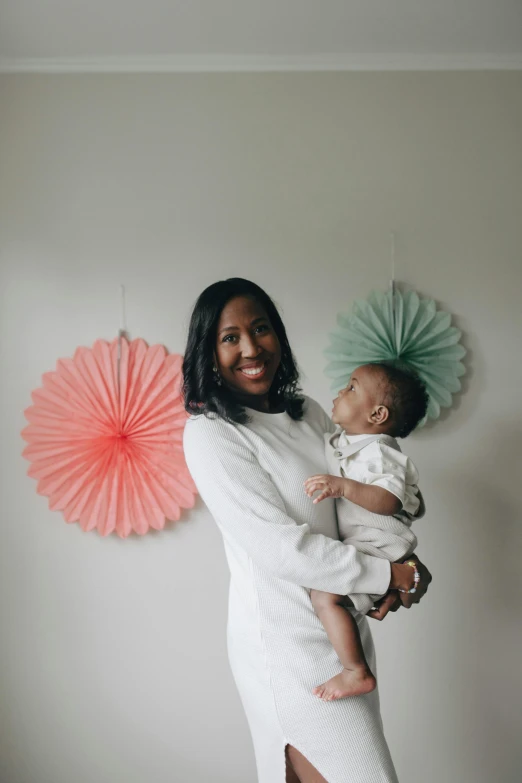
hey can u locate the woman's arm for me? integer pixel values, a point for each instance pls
(246, 505)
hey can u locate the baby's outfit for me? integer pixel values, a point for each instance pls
(379, 461)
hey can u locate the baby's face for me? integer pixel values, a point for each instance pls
(354, 404)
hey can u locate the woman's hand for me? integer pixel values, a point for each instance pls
(388, 603)
(402, 578)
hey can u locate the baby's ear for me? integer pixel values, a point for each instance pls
(380, 414)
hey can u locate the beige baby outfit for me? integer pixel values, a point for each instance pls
(379, 461)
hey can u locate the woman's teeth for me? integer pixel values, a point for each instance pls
(254, 371)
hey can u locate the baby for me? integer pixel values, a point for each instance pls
(378, 498)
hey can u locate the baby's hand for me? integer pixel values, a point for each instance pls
(328, 486)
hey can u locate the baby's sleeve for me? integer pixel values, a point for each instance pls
(392, 470)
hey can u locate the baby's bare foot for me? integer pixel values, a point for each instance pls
(350, 682)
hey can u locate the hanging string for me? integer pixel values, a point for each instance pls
(123, 325)
(121, 333)
(392, 288)
(392, 254)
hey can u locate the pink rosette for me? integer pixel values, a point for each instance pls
(105, 438)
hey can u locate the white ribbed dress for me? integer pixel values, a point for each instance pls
(279, 545)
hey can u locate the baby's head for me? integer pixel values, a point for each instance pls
(381, 398)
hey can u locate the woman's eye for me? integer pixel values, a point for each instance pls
(230, 337)
(351, 388)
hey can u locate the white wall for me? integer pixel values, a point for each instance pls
(113, 658)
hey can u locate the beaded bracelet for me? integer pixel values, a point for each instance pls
(416, 577)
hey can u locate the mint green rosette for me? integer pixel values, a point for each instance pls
(404, 329)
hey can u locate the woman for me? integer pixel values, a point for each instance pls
(250, 443)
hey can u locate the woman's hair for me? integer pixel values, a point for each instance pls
(405, 397)
(202, 394)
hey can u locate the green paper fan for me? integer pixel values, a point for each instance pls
(402, 328)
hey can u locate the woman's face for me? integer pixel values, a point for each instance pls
(247, 352)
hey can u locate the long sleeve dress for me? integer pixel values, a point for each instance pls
(278, 546)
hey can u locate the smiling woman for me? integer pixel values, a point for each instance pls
(250, 443)
(238, 355)
(247, 353)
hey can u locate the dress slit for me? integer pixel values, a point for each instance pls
(291, 774)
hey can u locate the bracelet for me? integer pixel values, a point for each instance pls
(416, 577)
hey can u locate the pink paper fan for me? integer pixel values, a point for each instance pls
(105, 438)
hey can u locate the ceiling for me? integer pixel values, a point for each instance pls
(243, 34)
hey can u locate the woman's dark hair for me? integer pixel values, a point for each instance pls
(405, 397)
(201, 393)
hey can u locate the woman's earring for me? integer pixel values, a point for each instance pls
(217, 378)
